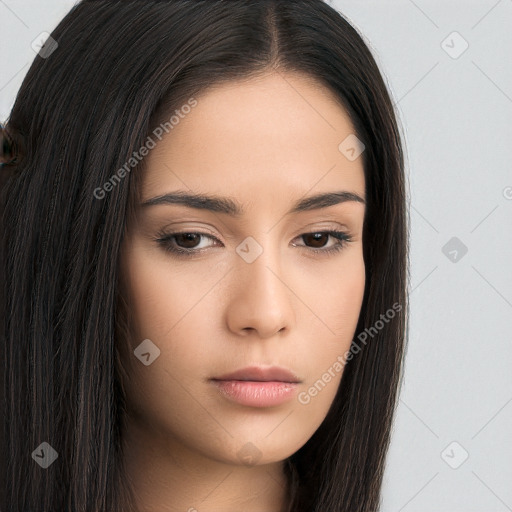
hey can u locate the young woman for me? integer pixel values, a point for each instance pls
(204, 263)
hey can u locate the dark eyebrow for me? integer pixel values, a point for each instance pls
(234, 208)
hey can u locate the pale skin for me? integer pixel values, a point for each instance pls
(266, 143)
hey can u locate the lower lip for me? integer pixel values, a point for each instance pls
(257, 394)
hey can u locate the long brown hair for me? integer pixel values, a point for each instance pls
(82, 111)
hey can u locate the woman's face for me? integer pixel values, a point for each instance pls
(261, 288)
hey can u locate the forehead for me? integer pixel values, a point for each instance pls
(266, 138)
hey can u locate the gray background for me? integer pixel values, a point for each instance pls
(455, 109)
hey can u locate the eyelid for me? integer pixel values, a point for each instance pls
(299, 227)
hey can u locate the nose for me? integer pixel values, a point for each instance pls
(260, 299)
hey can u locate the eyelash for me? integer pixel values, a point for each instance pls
(164, 239)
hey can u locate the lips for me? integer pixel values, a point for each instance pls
(260, 374)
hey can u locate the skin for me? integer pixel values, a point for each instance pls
(265, 142)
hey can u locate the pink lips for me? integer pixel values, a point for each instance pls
(257, 386)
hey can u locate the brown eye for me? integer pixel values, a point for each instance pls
(318, 240)
(185, 243)
(187, 240)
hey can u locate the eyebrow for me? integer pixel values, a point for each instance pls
(233, 208)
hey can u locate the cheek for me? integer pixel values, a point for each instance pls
(338, 306)
(336, 298)
(160, 296)
(345, 308)
(165, 306)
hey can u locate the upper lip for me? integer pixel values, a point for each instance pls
(261, 374)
